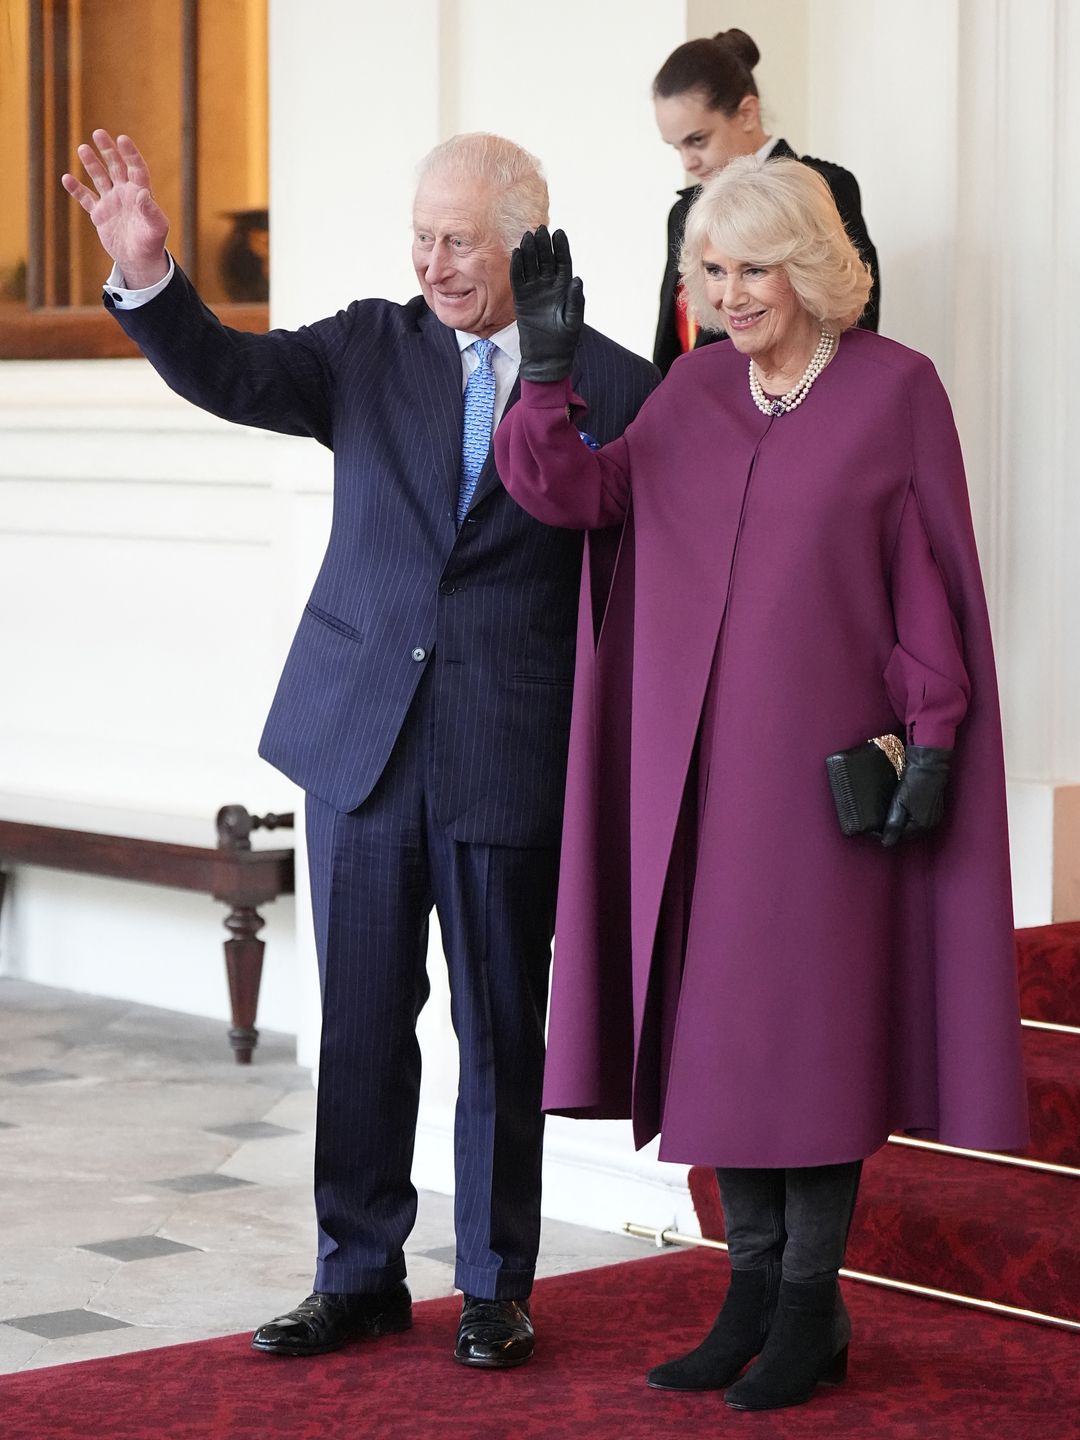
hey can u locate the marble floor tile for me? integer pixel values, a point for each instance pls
(28, 1010)
(428, 1279)
(233, 1291)
(201, 1183)
(138, 1247)
(252, 1130)
(249, 1219)
(87, 1151)
(19, 1349)
(63, 1324)
(129, 1103)
(40, 1353)
(35, 1210)
(444, 1254)
(434, 1221)
(285, 1161)
(41, 1075)
(295, 1110)
(41, 1277)
(167, 1191)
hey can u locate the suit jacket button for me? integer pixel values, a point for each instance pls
(419, 654)
(447, 587)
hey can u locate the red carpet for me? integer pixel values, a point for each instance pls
(920, 1370)
(1049, 958)
(1052, 1065)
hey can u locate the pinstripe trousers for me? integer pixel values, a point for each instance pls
(376, 874)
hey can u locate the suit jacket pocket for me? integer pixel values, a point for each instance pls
(548, 656)
(332, 622)
(564, 681)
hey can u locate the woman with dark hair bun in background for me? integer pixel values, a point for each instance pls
(707, 108)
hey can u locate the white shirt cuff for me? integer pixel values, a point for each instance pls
(124, 299)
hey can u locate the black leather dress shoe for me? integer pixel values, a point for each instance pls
(326, 1322)
(494, 1334)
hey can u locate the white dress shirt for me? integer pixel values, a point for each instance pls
(505, 361)
(125, 299)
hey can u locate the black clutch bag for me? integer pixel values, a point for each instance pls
(863, 781)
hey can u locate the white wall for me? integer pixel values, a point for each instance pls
(139, 547)
(578, 97)
(960, 122)
(781, 32)
(153, 561)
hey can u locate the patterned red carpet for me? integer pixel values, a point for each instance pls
(1049, 957)
(920, 1370)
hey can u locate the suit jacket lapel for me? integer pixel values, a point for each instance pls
(435, 378)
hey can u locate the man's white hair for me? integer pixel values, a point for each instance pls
(520, 193)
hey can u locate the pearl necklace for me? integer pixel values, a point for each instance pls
(794, 398)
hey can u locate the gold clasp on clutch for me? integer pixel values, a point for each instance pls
(893, 747)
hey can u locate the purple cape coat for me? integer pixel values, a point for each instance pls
(729, 968)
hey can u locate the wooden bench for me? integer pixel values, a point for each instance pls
(232, 871)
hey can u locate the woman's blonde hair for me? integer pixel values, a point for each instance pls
(776, 212)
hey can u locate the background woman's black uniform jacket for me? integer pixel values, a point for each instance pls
(845, 189)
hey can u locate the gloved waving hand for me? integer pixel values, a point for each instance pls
(549, 302)
(919, 801)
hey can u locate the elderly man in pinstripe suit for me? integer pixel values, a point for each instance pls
(424, 708)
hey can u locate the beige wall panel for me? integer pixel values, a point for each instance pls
(779, 28)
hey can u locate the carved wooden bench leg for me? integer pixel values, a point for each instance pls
(243, 963)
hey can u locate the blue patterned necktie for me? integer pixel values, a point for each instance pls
(476, 432)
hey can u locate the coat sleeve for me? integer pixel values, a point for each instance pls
(967, 874)
(278, 381)
(549, 471)
(925, 677)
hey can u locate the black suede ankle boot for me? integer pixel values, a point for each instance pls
(807, 1344)
(737, 1335)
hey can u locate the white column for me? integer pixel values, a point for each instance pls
(957, 118)
(572, 83)
(1017, 358)
(354, 104)
(780, 29)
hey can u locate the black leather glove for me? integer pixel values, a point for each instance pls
(549, 302)
(919, 801)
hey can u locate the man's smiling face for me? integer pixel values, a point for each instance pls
(459, 257)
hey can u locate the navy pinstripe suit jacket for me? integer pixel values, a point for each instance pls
(490, 608)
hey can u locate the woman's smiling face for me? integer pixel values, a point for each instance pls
(758, 306)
